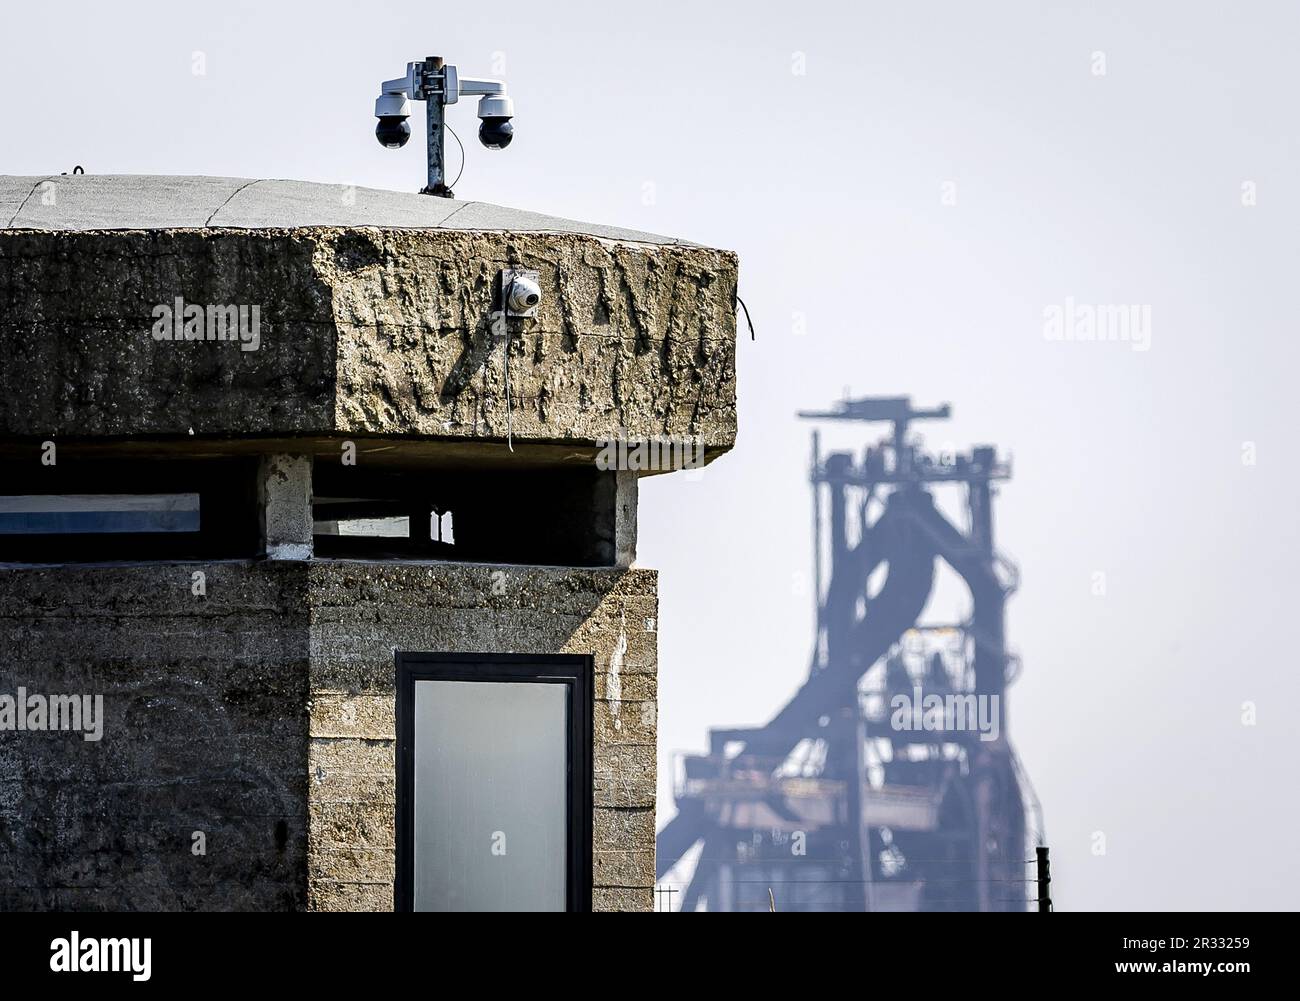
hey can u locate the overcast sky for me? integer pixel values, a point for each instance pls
(1162, 175)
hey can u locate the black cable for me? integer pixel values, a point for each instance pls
(453, 184)
(505, 325)
(747, 319)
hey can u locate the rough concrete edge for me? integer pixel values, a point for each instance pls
(667, 241)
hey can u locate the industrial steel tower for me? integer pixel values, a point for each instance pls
(888, 782)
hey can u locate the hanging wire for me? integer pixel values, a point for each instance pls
(505, 325)
(747, 319)
(451, 187)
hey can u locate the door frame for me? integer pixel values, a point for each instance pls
(574, 671)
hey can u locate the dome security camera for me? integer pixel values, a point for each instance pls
(393, 129)
(520, 292)
(495, 112)
(440, 85)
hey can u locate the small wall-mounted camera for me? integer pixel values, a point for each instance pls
(520, 292)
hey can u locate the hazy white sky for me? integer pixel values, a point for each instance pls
(1122, 188)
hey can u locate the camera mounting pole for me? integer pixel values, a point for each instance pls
(438, 84)
(433, 81)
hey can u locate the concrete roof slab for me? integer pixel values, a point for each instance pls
(83, 202)
(492, 218)
(13, 192)
(295, 204)
(93, 201)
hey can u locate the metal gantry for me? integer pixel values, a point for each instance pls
(888, 782)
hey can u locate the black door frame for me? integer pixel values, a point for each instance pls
(576, 673)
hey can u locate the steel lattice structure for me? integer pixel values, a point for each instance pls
(850, 798)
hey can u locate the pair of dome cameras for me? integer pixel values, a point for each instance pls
(429, 81)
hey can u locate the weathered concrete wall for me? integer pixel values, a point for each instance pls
(633, 337)
(77, 356)
(262, 714)
(205, 730)
(361, 614)
(366, 331)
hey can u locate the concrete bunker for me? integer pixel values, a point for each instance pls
(247, 553)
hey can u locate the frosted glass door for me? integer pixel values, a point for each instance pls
(490, 796)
